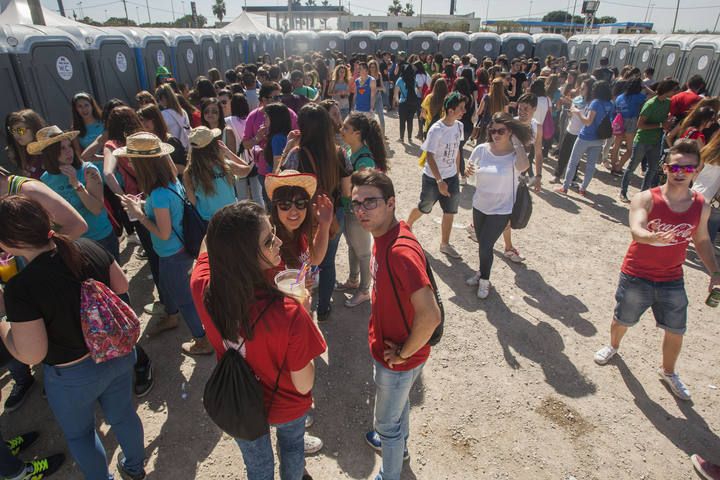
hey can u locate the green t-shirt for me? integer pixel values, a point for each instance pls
(305, 91)
(655, 111)
(362, 159)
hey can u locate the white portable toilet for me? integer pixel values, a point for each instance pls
(392, 41)
(516, 45)
(645, 49)
(574, 47)
(587, 48)
(550, 44)
(422, 41)
(671, 55)
(602, 47)
(622, 51)
(360, 41)
(485, 44)
(11, 100)
(185, 55)
(208, 48)
(300, 42)
(228, 55)
(454, 43)
(331, 39)
(703, 58)
(152, 50)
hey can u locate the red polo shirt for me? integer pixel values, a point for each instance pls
(681, 103)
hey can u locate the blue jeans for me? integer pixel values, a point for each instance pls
(175, 282)
(249, 188)
(713, 224)
(640, 152)
(392, 415)
(593, 148)
(258, 454)
(73, 392)
(327, 267)
(668, 301)
(111, 244)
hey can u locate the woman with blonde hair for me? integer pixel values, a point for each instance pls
(176, 118)
(496, 101)
(432, 105)
(339, 89)
(708, 183)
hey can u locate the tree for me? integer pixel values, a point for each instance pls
(219, 10)
(325, 3)
(310, 3)
(186, 22)
(561, 16)
(89, 21)
(408, 11)
(395, 9)
(606, 20)
(119, 22)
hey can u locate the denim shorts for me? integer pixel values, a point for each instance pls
(630, 124)
(430, 195)
(668, 301)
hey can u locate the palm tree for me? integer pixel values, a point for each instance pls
(219, 10)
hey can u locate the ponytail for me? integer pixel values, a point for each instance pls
(370, 134)
(70, 254)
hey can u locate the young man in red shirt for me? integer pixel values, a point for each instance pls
(681, 103)
(398, 333)
(663, 220)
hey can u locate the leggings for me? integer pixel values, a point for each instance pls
(406, 112)
(488, 229)
(566, 147)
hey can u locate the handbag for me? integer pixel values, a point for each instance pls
(548, 123)
(618, 125)
(522, 205)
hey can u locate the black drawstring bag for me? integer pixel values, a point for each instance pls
(233, 396)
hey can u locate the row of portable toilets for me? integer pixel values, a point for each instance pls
(43, 67)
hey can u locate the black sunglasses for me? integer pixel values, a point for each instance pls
(286, 205)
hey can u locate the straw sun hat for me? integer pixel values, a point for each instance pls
(47, 136)
(201, 137)
(291, 178)
(143, 145)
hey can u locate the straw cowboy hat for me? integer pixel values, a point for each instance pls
(143, 145)
(47, 136)
(291, 178)
(201, 137)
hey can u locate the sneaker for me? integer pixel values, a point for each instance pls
(124, 474)
(560, 189)
(325, 316)
(707, 470)
(155, 308)
(483, 288)
(21, 442)
(198, 346)
(471, 232)
(450, 251)
(555, 180)
(533, 181)
(676, 385)
(623, 198)
(348, 285)
(513, 255)
(167, 322)
(604, 355)
(144, 379)
(358, 299)
(582, 192)
(43, 467)
(306, 476)
(18, 395)
(309, 420)
(473, 281)
(312, 444)
(373, 440)
(133, 238)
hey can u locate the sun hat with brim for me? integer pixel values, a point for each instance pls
(47, 136)
(143, 145)
(291, 178)
(201, 137)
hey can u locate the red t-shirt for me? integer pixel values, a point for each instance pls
(681, 103)
(285, 334)
(407, 262)
(196, 119)
(660, 262)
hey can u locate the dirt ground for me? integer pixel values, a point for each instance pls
(511, 392)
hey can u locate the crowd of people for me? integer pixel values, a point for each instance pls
(273, 162)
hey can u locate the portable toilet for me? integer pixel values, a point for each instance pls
(277, 45)
(331, 39)
(360, 41)
(586, 48)
(11, 100)
(185, 55)
(422, 41)
(239, 45)
(703, 58)
(228, 56)
(515, 45)
(550, 44)
(573, 45)
(208, 49)
(300, 42)
(485, 44)
(622, 50)
(645, 51)
(602, 47)
(671, 56)
(50, 66)
(453, 43)
(392, 41)
(151, 50)
(252, 47)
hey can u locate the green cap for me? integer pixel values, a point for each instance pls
(162, 72)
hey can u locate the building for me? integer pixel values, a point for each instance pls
(567, 29)
(377, 23)
(302, 17)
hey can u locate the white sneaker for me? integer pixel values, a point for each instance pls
(312, 444)
(676, 385)
(514, 255)
(604, 355)
(309, 420)
(450, 251)
(133, 238)
(483, 288)
(472, 281)
(471, 232)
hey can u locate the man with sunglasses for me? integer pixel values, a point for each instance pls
(403, 316)
(663, 221)
(255, 125)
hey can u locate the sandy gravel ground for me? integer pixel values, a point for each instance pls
(511, 392)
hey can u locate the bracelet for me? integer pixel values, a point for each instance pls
(442, 180)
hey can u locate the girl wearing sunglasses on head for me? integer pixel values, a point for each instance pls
(20, 130)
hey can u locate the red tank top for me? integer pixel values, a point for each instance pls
(659, 262)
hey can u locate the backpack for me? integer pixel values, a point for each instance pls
(605, 130)
(233, 396)
(194, 227)
(438, 333)
(362, 155)
(109, 326)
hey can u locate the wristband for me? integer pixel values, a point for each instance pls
(442, 180)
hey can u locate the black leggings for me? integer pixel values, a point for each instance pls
(488, 229)
(406, 111)
(564, 154)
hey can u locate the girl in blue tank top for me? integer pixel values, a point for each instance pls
(364, 89)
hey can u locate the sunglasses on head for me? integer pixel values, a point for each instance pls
(285, 205)
(19, 131)
(677, 168)
(497, 131)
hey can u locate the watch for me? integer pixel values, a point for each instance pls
(442, 180)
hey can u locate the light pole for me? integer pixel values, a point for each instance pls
(147, 4)
(677, 9)
(716, 23)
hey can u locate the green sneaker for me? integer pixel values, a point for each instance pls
(21, 442)
(43, 467)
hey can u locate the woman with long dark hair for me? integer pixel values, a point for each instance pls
(628, 105)
(407, 99)
(212, 114)
(374, 72)
(235, 123)
(44, 327)
(242, 308)
(20, 130)
(176, 118)
(277, 119)
(154, 122)
(87, 119)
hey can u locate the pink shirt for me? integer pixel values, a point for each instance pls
(256, 120)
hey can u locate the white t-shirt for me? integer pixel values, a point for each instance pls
(496, 181)
(708, 182)
(178, 125)
(543, 105)
(533, 128)
(575, 124)
(443, 142)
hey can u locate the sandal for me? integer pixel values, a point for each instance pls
(348, 285)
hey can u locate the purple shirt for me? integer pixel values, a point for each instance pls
(256, 120)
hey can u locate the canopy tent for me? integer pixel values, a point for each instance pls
(17, 12)
(244, 23)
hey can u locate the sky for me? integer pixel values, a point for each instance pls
(693, 14)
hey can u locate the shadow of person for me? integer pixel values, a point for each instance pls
(454, 275)
(690, 434)
(539, 343)
(547, 299)
(559, 201)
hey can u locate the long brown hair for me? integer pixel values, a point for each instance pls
(18, 153)
(289, 250)
(520, 130)
(51, 155)
(234, 245)
(202, 163)
(437, 97)
(371, 135)
(123, 121)
(497, 97)
(166, 92)
(78, 123)
(316, 138)
(152, 113)
(153, 172)
(710, 154)
(25, 223)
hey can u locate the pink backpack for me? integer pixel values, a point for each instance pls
(109, 325)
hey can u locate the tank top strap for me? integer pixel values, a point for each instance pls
(15, 183)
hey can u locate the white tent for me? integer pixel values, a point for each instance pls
(17, 12)
(244, 23)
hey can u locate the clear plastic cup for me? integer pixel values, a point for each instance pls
(286, 282)
(8, 267)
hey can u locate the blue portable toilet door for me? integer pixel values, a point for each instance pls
(10, 101)
(187, 61)
(156, 54)
(668, 61)
(621, 53)
(117, 73)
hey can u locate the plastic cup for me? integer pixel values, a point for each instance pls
(286, 282)
(8, 268)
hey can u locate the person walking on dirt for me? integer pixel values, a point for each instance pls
(663, 220)
(404, 315)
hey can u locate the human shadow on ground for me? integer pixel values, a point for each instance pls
(691, 434)
(540, 343)
(413, 149)
(693, 259)
(453, 274)
(567, 309)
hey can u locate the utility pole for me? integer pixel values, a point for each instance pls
(127, 20)
(572, 19)
(36, 12)
(677, 9)
(290, 15)
(147, 4)
(716, 23)
(137, 12)
(421, 5)
(81, 10)
(61, 7)
(452, 7)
